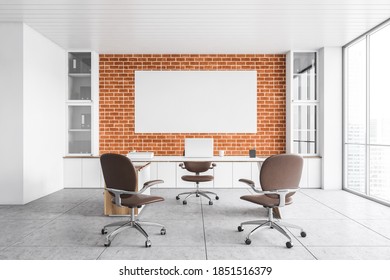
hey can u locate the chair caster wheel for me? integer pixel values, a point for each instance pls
(177, 197)
(104, 231)
(239, 228)
(107, 244)
(163, 231)
(303, 234)
(289, 244)
(210, 202)
(184, 202)
(248, 241)
(148, 244)
(216, 197)
(197, 195)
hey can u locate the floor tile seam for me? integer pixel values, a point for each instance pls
(303, 245)
(102, 252)
(155, 246)
(350, 218)
(29, 233)
(243, 245)
(348, 246)
(78, 204)
(204, 230)
(40, 227)
(61, 246)
(369, 228)
(112, 247)
(25, 219)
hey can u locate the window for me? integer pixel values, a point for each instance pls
(367, 117)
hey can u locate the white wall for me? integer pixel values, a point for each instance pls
(330, 90)
(11, 113)
(32, 92)
(44, 80)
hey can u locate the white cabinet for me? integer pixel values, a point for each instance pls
(183, 184)
(143, 177)
(179, 182)
(153, 171)
(223, 175)
(82, 173)
(314, 173)
(304, 177)
(311, 173)
(91, 173)
(256, 173)
(72, 173)
(166, 171)
(226, 174)
(241, 170)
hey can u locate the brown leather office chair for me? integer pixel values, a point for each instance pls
(197, 167)
(120, 177)
(279, 180)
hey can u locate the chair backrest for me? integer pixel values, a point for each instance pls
(281, 172)
(197, 166)
(118, 172)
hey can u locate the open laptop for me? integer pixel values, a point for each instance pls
(199, 147)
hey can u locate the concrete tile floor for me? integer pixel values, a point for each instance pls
(66, 225)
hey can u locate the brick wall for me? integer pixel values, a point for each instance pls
(117, 103)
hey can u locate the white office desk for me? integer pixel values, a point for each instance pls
(226, 174)
(213, 159)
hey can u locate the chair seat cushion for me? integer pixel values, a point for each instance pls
(140, 199)
(200, 178)
(265, 200)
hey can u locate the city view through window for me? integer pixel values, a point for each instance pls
(367, 115)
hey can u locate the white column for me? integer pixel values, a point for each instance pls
(330, 93)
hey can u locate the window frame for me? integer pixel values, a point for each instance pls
(367, 144)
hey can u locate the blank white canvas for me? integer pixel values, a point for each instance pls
(196, 101)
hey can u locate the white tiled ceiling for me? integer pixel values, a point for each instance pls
(205, 26)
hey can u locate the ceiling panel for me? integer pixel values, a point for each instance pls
(153, 26)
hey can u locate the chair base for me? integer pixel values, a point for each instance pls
(271, 223)
(198, 193)
(133, 223)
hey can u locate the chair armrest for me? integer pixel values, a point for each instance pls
(182, 165)
(281, 193)
(213, 165)
(251, 184)
(148, 184)
(247, 181)
(117, 195)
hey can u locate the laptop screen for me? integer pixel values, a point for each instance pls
(195, 147)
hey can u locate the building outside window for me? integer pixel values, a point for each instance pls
(367, 114)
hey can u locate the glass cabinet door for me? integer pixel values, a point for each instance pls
(79, 103)
(305, 77)
(79, 129)
(80, 62)
(79, 87)
(305, 103)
